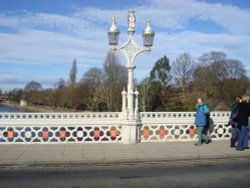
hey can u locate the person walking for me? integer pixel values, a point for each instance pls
(242, 120)
(233, 122)
(200, 121)
(208, 128)
(249, 120)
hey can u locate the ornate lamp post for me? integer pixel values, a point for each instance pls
(130, 50)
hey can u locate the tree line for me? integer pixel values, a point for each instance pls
(168, 87)
(214, 77)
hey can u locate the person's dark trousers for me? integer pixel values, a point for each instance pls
(206, 127)
(234, 136)
(243, 138)
(246, 138)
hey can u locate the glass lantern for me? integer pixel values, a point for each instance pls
(148, 35)
(113, 33)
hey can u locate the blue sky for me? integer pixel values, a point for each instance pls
(40, 39)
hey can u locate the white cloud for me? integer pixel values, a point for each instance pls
(43, 47)
(195, 43)
(175, 14)
(15, 81)
(65, 24)
(11, 79)
(232, 18)
(43, 39)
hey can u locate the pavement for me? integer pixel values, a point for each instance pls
(91, 154)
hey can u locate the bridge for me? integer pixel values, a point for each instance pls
(105, 127)
(129, 126)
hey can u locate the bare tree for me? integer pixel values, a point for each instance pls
(234, 69)
(60, 83)
(144, 87)
(33, 86)
(93, 81)
(208, 73)
(116, 76)
(93, 77)
(182, 71)
(221, 80)
(211, 57)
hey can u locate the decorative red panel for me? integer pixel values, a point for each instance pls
(112, 133)
(162, 132)
(96, 133)
(146, 132)
(191, 132)
(10, 134)
(45, 134)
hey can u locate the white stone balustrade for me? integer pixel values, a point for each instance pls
(58, 116)
(179, 126)
(105, 127)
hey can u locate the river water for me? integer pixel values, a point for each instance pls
(4, 108)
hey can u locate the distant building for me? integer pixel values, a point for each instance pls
(3, 98)
(23, 103)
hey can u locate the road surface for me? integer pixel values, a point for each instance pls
(206, 174)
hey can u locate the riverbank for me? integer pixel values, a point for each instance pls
(29, 108)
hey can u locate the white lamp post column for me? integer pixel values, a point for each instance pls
(130, 89)
(130, 51)
(136, 104)
(124, 104)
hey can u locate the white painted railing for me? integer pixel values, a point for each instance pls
(179, 126)
(58, 116)
(106, 127)
(60, 127)
(60, 134)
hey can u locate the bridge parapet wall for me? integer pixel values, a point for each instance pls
(105, 127)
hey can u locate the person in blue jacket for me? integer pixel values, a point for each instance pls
(201, 120)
